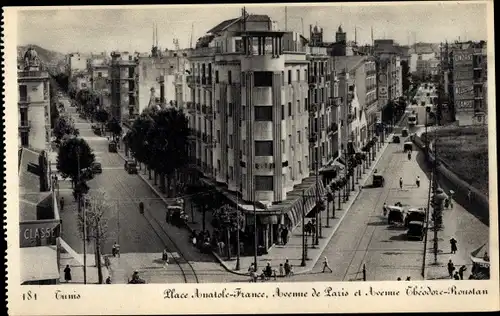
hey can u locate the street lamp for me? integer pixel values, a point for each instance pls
(237, 234)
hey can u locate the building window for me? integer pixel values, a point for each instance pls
(289, 108)
(289, 77)
(217, 106)
(229, 77)
(231, 173)
(290, 172)
(24, 139)
(230, 109)
(282, 78)
(244, 147)
(300, 167)
(218, 135)
(263, 148)
(298, 106)
(243, 112)
(299, 138)
(282, 112)
(216, 76)
(230, 141)
(218, 165)
(264, 183)
(263, 113)
(283, 146)
(305, 74)
(263, 79)
(298, 74)
(306, 105)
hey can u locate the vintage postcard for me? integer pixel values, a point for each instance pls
(284, 158)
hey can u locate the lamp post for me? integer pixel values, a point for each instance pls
(304, 240)
(255, 233)
(237, 234)
(79, 201)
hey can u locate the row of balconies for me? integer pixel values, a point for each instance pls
(25, 124)
(33, 74)
(333, 128)
(206, 109)
(351, 117)
(371, 72)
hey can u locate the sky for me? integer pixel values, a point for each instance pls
(129, 28)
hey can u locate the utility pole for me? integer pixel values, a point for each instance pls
(255, 232)
(304, 241)
(79, 201)
(237, 234)
(427, 211)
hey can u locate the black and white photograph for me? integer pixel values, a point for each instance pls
(274, 144)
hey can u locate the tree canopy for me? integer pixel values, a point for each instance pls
(64, 125)
(101, 116)
(67, 158)
(114, 127)
(226, 217)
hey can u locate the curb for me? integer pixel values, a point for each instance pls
(219, 259)
(348, 208)
(316, 259)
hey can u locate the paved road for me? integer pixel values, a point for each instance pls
(141, 244)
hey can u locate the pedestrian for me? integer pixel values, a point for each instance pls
(461, 271)
(281, 270)
(164, 256)
(67, 273)
(408, 278)
(193, 240)
(280, 233)
(469, 196)
(62, 203)
(251, 268)
(284, 235)
(453, 244)
(451, 268)
(400, 182)
(287, 268)
(417, 181)
(409, 155)
(108, 280)
(325, 265)
(399, 279)
(456, 276)
(486, 257)
(384, 211)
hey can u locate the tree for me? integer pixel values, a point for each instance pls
(169, 143)
(96, 224)
(74, 153)
(102, 117)
(405, 74)
(228, 220)
(64, 126)
(138, 141)
(114, 127)
(54, 113)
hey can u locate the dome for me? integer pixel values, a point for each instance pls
(31, 58)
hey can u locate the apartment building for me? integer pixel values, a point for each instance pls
(77, 63)
(33, 102)
(163, 78)
(98, 73)
(466, 66)
(250, 115)
(389, 81)
(357, 90)
(124, 86)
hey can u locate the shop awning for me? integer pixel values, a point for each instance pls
(39, 263)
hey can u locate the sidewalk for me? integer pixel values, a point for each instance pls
(293, 250)
(77, 269)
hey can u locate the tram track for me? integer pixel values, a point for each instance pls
(186, 268)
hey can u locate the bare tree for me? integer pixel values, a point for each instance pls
(96, 210)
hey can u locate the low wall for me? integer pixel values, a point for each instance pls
(479, 204)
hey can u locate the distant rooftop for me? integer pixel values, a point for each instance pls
(250, 18)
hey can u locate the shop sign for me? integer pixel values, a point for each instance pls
(36, 234)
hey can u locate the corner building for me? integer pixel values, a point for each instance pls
(251, 121)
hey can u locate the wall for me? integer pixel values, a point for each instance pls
(450, 181)
(38, 113)
(77, 63)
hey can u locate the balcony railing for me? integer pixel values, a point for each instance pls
(25, 124)
(206, 51)
(371, 72)
(198, 134)
(198, 107)
(334, 127)
(197, 79)
(33, 74)
(204, 109)
(24, 99)
(313, 108)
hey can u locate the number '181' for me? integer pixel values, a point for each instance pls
(28, 296)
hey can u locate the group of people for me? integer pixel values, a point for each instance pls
(285, 270)
(68, 278)
(408, 278)
(310, 227)
(198, 239)
(283, 235)
(457, 275)
(417, 182)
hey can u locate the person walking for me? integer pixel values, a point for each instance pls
(408, 278)
(453, 244)
(400, 182)
(282, 270)
(67, 273)
(325, 265)
(451, 268)
(409, 154)
(61, 202)
(108, 280)
(384, 211)
(399, 279)
(461, 271)
(417, 181)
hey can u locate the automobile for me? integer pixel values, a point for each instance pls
(112, 147)
(415, 215)
(378, 180)
(408, 146)
(395, 139)
(96, 167)
(87, 174)
(396, 215)
(404, 132)
(415, 230)
(131, 166)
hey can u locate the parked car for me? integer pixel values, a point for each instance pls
(96, 167)
(395, 139)
(378, 180)
(112, 147)
(131, 166)
(415, 230)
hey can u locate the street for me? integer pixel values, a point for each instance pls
(140, 237)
